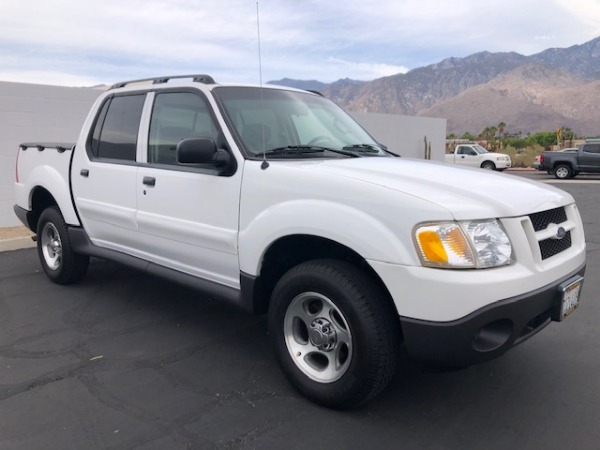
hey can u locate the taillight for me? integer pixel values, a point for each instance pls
(542, 159)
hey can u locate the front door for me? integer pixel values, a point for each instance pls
(465, 155)
(187, 215)
(589, 158)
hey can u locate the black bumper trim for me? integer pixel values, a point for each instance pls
(486, 333)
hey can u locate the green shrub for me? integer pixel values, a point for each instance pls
(523, 157)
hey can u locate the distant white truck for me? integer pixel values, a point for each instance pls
(474, 155)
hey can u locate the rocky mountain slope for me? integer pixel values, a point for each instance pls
(554, 88)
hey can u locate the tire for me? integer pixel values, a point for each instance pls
(488, 165)
(563, 171)
(335, 334)
(61, 264)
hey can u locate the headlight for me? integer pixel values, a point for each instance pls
(463, 245)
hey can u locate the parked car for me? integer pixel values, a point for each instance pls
(536, 163)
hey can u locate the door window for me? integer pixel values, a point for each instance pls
(177, 116)
(115, 133)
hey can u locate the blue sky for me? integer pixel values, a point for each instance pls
(85, 42)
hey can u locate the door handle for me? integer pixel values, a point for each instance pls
(149, 181)
(84, 172)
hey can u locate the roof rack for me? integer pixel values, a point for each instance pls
(199, 78)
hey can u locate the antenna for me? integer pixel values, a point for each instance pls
(259, 55)
(264, 164)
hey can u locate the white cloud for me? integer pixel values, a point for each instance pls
(586, 12)
(312, 39)
(364, 71)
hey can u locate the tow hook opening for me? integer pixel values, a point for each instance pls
(493, 335)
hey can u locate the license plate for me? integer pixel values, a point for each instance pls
(570, 297)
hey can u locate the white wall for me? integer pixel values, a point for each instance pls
(405, 135)
(39, 113)
(30, 112)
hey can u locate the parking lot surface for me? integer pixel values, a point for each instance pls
(127, 361)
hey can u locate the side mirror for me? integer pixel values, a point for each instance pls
(196, 151)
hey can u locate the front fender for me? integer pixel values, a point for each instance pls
(340, 223)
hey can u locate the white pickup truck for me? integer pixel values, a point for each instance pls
(276, 200)
(474, 155)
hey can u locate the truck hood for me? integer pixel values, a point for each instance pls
(466, 193)
(496, 155)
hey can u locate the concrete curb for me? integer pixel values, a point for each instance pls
(19, 243)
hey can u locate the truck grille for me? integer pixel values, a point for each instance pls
(540, 221)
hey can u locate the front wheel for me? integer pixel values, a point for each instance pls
(61, 264)
(563, 172)
(335, 334)
(488, 165)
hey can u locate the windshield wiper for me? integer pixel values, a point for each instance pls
(303, 149)
(369, 148)
(363, 148)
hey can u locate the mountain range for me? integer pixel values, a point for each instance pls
(559, 87)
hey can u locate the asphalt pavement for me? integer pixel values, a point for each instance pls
(127, 361)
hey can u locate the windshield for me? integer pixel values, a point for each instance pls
(290, 123)
(479, 149)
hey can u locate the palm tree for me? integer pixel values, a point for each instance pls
(489, 133)
(501, 129)
(568, 134)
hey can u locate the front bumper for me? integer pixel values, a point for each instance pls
(486, 333)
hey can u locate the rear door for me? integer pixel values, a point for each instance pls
(187, 215)
(104, 173)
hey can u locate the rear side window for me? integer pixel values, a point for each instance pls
(116, 130)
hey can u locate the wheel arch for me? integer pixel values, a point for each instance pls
(289, 251)
(563, 163)
(40, 199)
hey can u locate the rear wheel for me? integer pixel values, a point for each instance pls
(335, 334)
(563, 171)
(59, 261)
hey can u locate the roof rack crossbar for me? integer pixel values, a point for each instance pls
(198, 78)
